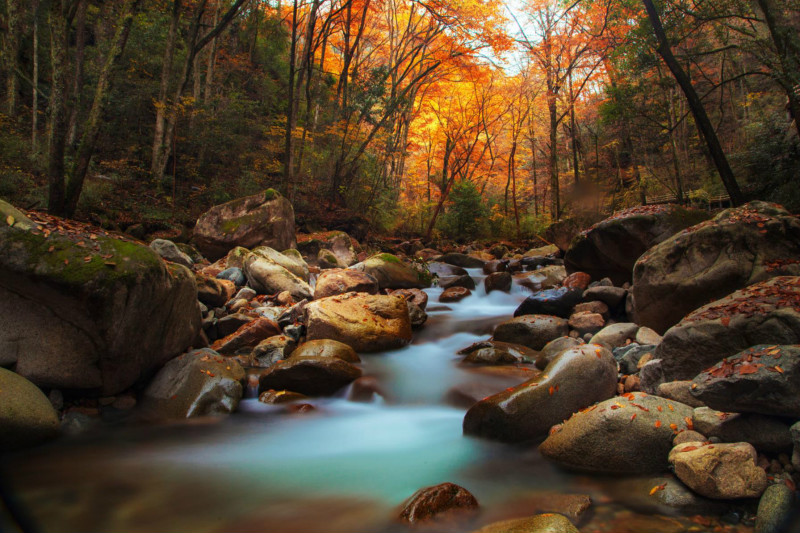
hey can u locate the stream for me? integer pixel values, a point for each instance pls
(344, 467)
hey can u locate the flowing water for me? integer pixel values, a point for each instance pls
(344, 467)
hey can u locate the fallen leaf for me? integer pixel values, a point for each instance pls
(66, 261)
(551, 390)
(657, 424)
(726, 320)
(10, 220)
(87, 259)
(658, 488)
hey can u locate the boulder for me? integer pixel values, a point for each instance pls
(277, 397)
(417, 315)
(766, 434)
(542, 523)
(680, 391)
(214, 292)
(739, 247)
(542, 251)
(338, 243)
(233, 274)
(326, 348)
(340, 281)
(762, 379)
(575, 379)
(82, 309)
(533, 331)
(558, 302)
(413, 296)
(775, 509)
(554, 348)
(454, 294)
(585, 323)
(367, 323)
(630, 355)
(464, 281)
(444, 269)
(592, 307)
(264, 219)
(247, 336)
(170, 252)
(235, 258)
(577, 280)
(492, 267)
(293, 262)
(764, 313)
(26, 416)
(271, 350)
(461, 260)
(497, 353)
(313, 376)
(499, 281)
(719, 471)
(616, 335)
(629, 434)
(433, 502)
(547, 277)
(231, 323)
(613, 297)
(392, 273)
(611, 247)
(327, 259)
(198, 383)
(268, 277)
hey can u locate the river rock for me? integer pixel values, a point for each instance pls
(664, 495)
(739, 247)
(613, 297)
(611, 247)
(277, 397)
(413, 296)
(444, 269)
(264, 219)
(230, 323)
(764, 313)
(719, 471)
(680, 391)
(497, 353)
(268, 277)
(547, 277)
(542, 251)
(367, 323)
(313, 376)
(27, 417)
(198, 383)
(99, 316)
(630, 355)
(392, 273)
(271, 350)
(616, 335)
(628, 434)
(542, 523)
(214, 292)
(340, 281)
(234, 275)
(646, 336)
(170, 252)
(554, 348)
(557, 302)
(585, 323)
(365, 390)
(448, 282)
(795, 432)
(499, 281)
(454, 294)
(433, 502)
(416, 315)
(235, 257)
(461, 260)
(495, 266)
(574, 380)
(247, 336)
(326, 348)
(775, 509)
(339, 243)
(533, 331)
(766, 434)
(294, 263)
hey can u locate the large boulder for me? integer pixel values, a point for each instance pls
(268, 277)
(628, 434)
(340, 281)
(574, 380)
(739, 247)
(293, 262)
(365, 322)
(533, 331)
(719, 471)
(392, 273)
(198, 383)
(764, 313)
(26, 416)
(558, 302)
(340, 244)
(611, 247)
(82, 309)
(264, 219)
(314, 376)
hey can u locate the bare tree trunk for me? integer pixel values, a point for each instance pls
(212, 59)
(674, 151)
(10, 54)
(57, 106)
(77, 80)
(573, 132)
(555, 200)
(447, 182)
(291, 119)
(166, 72)
(35, 78)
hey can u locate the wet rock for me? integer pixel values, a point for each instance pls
(229, 324)
(214, 292)
(554, 348)
(271, 350)
(461, 260)
(465, 281)
(443, 269)
(273, 397)
(247, 336)
(593, 307)
(613, 297)
(365, 389)
(628, 434)
(611, 247)
(616, 335)
(548, 277)
(497, 353)
(665, 495)
(651, 375)
(680, 391)
(533, 331)
(326, 348)
(556, 302)
(766, 434)
(572, 381)
(268, 277)
(339, 243)
(339, 281)
(414, 296)
(688, 436)
(739, 247)
(198, 383)
(264, 219)
(314, 376)
(327, 259)
(573, 506)
(367, 323)
(234, 275)
(454, 294)
(719, 471)
(392, 273)
(293, 262)
(646, 335)
(543, 523)
(433, 502)
(775, 509)
(499, 281)
(542, 251)
(577, 280)
(416, 315)
(762, 379)
(492, 267)
(585, 323)
(629, 356)
(27, 417)
(169, 252)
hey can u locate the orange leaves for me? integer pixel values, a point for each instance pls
(657, 424)
(658, 488)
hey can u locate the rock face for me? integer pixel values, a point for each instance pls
(268, 277)
(611, 247)
(26, 416)
(542, 523)
(533, 331)
(628, 434)
(366, 323)
(264, 219)
(572, 381)
(314, 376)
(339, 281)
(762, 379)
(97, 317)
(392, 273)
(719, 471)
(432, 502)
(197, 383)
(764, 313)
(557, 302)
(739, 247)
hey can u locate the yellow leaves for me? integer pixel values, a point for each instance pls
(658, 488)
(10, 220)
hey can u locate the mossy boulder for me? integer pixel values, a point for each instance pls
(392, 273)
(264, 219)
(26, 416)
(84, 309)
(291, 262)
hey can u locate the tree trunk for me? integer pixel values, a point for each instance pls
(10, 54)
(35, 78)
(57, 106)
(288, 156)
(573, 132)
(447, 182)
(555, 200)
(696, 107)
(77, 80)
(161, 103)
